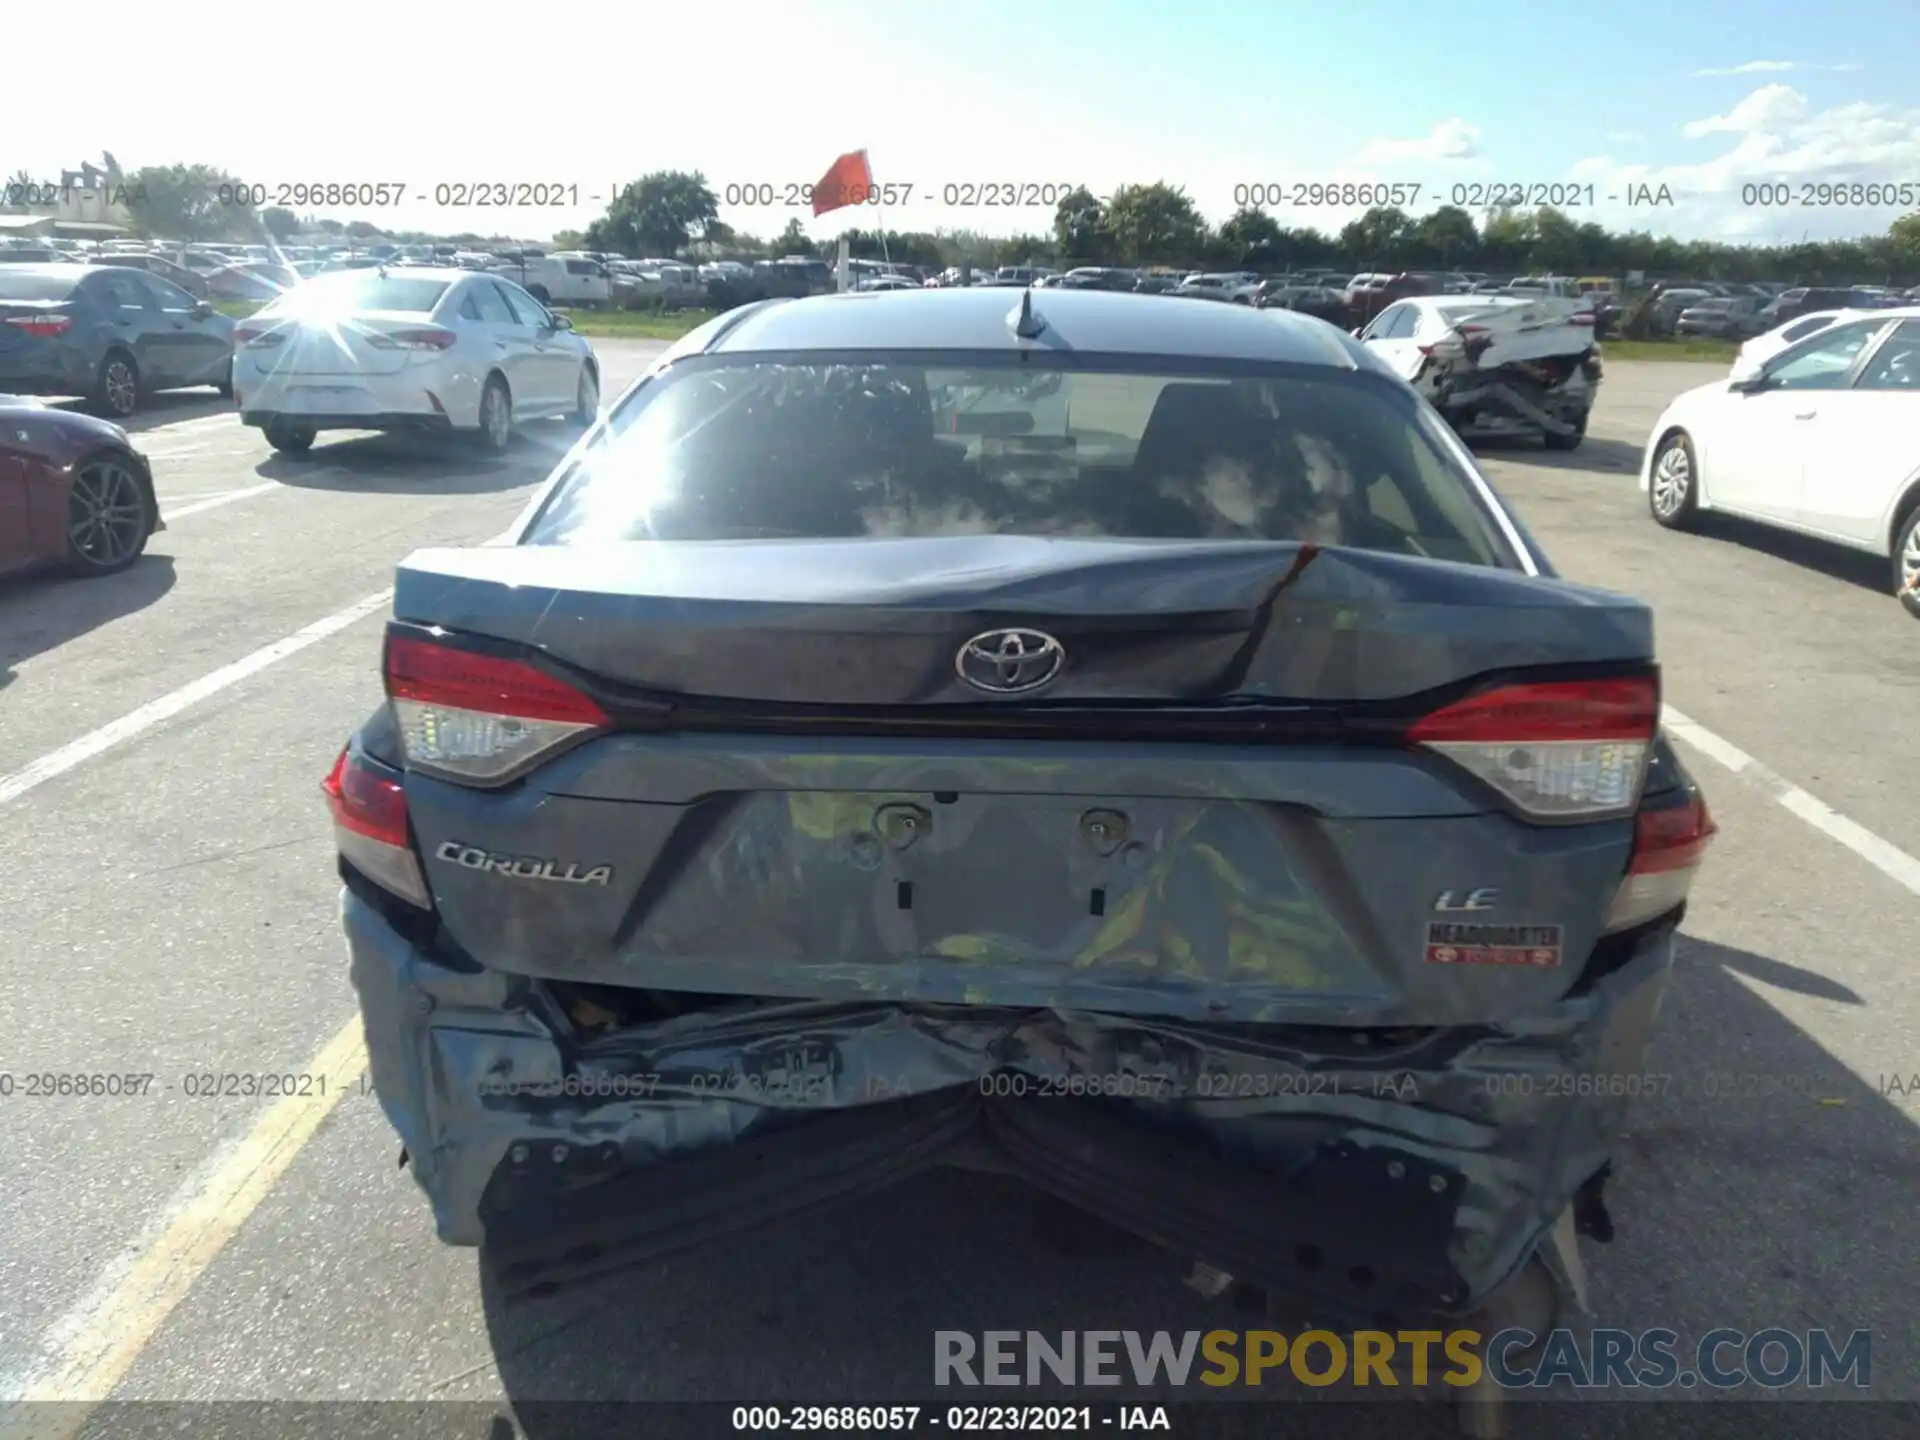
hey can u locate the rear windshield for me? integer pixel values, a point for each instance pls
(727, 450)
(34, 284)
(366, 290)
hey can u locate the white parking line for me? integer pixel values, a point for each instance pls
(92, 1347)
(214, 502)
(95, 742)
(196, 425)
(1889, 859)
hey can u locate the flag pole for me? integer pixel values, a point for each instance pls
(880, 211)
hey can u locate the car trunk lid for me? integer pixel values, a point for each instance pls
(368, 342)
(692, 825)
(880, 621)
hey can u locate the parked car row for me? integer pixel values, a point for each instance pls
(445, 351)
(111, 333)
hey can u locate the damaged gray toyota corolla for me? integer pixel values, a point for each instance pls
(1121, 743)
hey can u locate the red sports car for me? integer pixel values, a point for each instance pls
(73, 491)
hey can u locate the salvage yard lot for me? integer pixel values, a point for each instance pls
(171, 910)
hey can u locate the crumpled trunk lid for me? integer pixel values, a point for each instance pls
(862, 624)
(776, 814)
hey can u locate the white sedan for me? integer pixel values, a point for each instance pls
(1763, 347)
(1823, 439)
(410, 348)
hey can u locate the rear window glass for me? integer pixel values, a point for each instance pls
(367, 290)
(725, 450)
(34, 285)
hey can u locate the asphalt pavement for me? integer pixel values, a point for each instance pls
(168, 909)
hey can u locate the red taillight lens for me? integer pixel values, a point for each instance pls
(258, 335)
(1559, 750)
(479, 718)
(370, 826)
(1675, 838)
(1669, 842)
(1585, 317)
(42, 325)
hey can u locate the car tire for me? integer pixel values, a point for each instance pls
(1673, 489)
(116, 386)
(540, 293)
(1906, 561)
(225, 387)
(1566, 442)
(495, 431)
(110, 517)
(586, 400)
(291, 438)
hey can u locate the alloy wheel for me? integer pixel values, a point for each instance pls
(497, 420)
(106, 514)
(1910, 559)
(1672, 479)
(119, 387)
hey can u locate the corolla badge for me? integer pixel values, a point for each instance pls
(524, 867)
(1010, 662)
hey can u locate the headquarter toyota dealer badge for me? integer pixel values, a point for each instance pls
(1453, 944)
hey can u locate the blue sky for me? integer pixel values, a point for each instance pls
(1201, 93)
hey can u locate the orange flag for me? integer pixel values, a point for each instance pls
(848, 181)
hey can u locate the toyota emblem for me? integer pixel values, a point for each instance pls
(1010, 662)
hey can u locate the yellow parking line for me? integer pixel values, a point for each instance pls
(108, 1338)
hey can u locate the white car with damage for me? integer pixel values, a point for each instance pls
(1496, 364)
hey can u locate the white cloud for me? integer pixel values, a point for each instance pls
(1452, 139)
(1773, 138)
(1774, 67)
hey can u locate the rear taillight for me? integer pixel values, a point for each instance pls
(42, 325)
(257, 335)
(1669, 841)
(411, 339)
(1467, 338)
(479, 718)
(370, 826)
(1585, 317)
(1556, 750)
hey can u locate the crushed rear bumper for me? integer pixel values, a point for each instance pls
(1379, 1175)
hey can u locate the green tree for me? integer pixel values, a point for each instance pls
(1251, 237)
(1155, 224)
(658, 214)
(280, 222)
(184, 202)
(793, 240)
(1024, 250)
(1904, 235)
(1377, 237)
(1445, 237)
(1080, 233)
(19, 186)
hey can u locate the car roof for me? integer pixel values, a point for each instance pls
(1108, 322)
